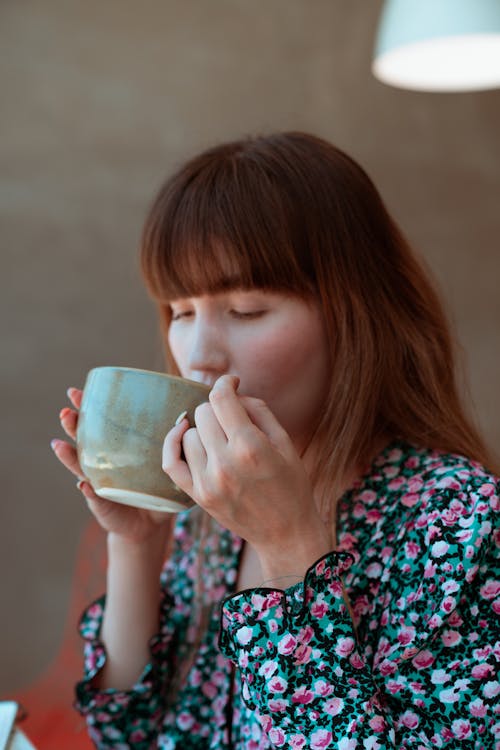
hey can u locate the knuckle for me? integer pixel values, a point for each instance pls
(217, 395)
(200, 410)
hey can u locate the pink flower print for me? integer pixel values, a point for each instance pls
(439, 677)
(244, 635)
(344, 646)
(323, 688)
(451, 637)
(305, 634)
(319, 609)
(487, 490)
(477, 708)
(410, 499)
(347, 744)
(277, 737)
(209, 689)
(496, 606)
(303, 654)
(361, 605)
(415, 484)
(490, 590)
(455, 620)
(335, 588)
(265, 722)
(303, 695)
(320, 739)
(430, 569)
(277, 685)
(297, 741)
(387, 668)
(184, 720)
(423, 660)
(373, 570)
(377, 723)
(482, 671)
(373, 515)
(277, 705)
(356, 661)
(491, 689)
(412, 462)
(334, 706)
(406, 635)
(482, 653)
(138, 735)
(368, 496)
(268, 669)
(396, 483)
(439, 549)
(412, 550)
(394, 687)
(461, 729)
(448, 604)
(450, 587)
(287, 645)
(409, 719)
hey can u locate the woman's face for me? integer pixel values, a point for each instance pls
(275, 343)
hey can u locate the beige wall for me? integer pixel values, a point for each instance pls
(99, 102)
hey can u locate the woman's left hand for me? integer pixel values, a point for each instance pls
(242, 468)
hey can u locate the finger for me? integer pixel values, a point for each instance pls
(172, 462)
(67, 455)
(75, 396)
(211, 434)
(227, 405)
(69, 422)
(196, 455)
(263, 418)
(89, 494)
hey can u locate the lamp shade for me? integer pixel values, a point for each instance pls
(439, 45)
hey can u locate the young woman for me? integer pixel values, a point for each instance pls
(337, 585)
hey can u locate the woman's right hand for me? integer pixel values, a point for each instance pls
(132, 524)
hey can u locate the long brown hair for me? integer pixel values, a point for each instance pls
(292, 212)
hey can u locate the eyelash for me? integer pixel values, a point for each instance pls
(234, 313)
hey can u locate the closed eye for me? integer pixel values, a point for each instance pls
(247, 315)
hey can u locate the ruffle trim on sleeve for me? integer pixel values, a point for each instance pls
(116, 702)
(277, 611)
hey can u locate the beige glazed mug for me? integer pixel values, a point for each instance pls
(124, 417)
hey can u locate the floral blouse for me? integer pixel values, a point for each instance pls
(413, 663)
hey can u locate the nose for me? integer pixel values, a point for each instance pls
(208, 356)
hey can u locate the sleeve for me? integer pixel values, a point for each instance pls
(433, 679)
(134, 718)
(301, 668)
(438, 656)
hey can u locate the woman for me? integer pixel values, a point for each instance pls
(336, 585)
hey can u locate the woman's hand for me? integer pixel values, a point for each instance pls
(243, 469)
(132, 524)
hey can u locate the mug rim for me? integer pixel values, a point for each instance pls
(151, 372)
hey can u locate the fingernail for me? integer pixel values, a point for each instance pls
(53, 444)
(80, 483)
(64, 412)
(181, 416)
(68, 392)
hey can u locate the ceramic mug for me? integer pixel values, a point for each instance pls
(124, 417)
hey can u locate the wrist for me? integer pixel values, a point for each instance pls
(292, 558)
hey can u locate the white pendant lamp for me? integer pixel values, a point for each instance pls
(439, 45)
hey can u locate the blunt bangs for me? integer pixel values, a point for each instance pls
(224, 224)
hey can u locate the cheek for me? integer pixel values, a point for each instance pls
(289, 369)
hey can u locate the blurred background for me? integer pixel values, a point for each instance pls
(100, 101)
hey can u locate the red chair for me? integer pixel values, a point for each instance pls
(51, 722)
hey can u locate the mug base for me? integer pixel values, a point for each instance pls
(140, 500)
